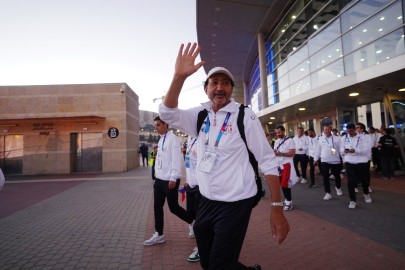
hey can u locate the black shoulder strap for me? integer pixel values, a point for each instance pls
(241, 127)
(201, 117)
(241, 115)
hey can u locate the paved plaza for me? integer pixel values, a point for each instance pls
(99, 221)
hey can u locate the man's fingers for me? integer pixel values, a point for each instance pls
(192, 50)
(181, 49)
(187, 49)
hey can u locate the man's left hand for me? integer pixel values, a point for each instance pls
(172, 184)
(279, 224)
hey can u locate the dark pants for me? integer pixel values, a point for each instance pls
(287, 193)
(144, 159)
(312, 170)
(193, 200)
(220, 229)
(375, 154)
(161, 191)
(357, 173)
(388, 166)
(335, 168)
(302, 159)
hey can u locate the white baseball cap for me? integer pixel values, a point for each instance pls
(220, 70)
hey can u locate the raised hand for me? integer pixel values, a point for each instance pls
(185, 62)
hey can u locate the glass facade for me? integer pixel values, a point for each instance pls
(318, 42)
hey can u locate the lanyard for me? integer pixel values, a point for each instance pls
(163, 144)
(223, 128)
(285, 138)
(333, 144)
(349, 140)
(189, 149)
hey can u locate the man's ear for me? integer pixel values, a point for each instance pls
(205, 90)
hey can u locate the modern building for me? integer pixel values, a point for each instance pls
(58, 129)
(310, 62)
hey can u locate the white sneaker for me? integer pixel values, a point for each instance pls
(356, 190)
(288, 206)
(327, 197)
(303, 181)
(331, 176)
(339, 191)
(352, 205)
(370, 190)
(194, 256)
(191, 230)
(367, 198)
(155, 239)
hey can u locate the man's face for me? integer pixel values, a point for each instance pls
(351, 132)
(327, 130)
(300, 132)
(311, 133)
(359, 129)
(279, 133)
(219, 90)
(160, 127)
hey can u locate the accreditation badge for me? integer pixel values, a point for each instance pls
(207, 161)
(159, 162)
(333, 151)
(187, 161)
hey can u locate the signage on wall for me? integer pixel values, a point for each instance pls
(42, 126)
(113, 132)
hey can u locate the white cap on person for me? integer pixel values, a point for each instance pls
(220, 70)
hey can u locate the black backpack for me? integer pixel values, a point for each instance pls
(241, 115)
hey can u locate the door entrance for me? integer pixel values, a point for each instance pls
(86, 152)
(11, 154)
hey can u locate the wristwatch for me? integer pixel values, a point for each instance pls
(276, 203)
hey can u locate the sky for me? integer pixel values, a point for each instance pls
(45, 42)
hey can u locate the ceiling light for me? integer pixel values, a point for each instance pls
(316, 27)
(364, 30)
(282, 31)
(379, 30)
(399, 18)
(362, 59)
(382, 18)
(270, 123)
(402, 90)
(379, 51)
(353, 94)
(301, 109)
(272, 118)
(293, 17)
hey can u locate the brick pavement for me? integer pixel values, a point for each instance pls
(102, 224)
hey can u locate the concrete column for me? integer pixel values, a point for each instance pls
(263, 70)
(246, 95)
(362, 114)
(376, 114)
